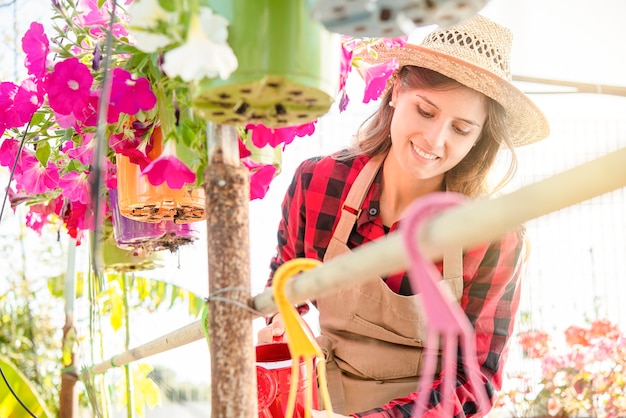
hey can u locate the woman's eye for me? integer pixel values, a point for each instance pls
(424, 113)
(461, 131)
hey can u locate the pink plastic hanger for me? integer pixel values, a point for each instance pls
(445, 319)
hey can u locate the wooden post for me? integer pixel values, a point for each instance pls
(233, 371)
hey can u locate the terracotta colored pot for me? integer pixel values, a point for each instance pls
(141, 201)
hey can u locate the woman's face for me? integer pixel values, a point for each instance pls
(433, 130)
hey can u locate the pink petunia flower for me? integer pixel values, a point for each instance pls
(68, 86)
(261, 176)
(28, 100)
(36, 46)
(77, 217)
(129, 95)
(345, 66)
(8, 153)
(398, 42)
(38, 215)
(260, 181)
(110, 175)
(36, 178)
(35, 220)
(376, 77)
(9, 118)
(75, 187)
(84, 152)
(168, 168)
(262, 135)
(134, 147)
(243, 150)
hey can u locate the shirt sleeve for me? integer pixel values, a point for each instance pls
(291, 229)
(490, 299)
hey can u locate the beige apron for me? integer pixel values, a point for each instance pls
(372, 336)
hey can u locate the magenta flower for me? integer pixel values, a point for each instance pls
(75, 187)
(68, 87)
(36, 46)
(168, 168)
(129, 95)
(27, 100)
(135, 148)
(260, 181)
(8, 152)
(77, 218)
(345, 66)
(243, 150)
(84, 152)
(376, 77)
(35, 220)
(9, 118)
(38, 215)
(110, 175)
(398, 42)
(262, 135)
(36, 178)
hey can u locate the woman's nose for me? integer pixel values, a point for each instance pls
(435, 135)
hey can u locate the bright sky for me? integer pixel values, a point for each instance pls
(574, 40)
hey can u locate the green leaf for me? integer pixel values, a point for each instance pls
(25, 389)
(101, 3)
(37, 118)
(168, 5)
(43, 152)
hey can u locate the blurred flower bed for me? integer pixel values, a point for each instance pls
(583, 374)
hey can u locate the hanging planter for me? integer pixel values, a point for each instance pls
(389, 18)
(164, 235)
(288, 66)
(142, 201)
(116, 259)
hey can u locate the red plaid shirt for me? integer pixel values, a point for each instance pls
(491, 273)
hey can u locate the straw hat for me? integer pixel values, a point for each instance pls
(476, 53)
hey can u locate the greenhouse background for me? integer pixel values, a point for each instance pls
(577, 254)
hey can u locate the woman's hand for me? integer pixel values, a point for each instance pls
(324, 414)
(274, 332)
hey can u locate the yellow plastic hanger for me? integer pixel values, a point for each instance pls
(300, 340)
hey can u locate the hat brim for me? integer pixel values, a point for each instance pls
(527, 123)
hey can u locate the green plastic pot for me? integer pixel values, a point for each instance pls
(288, 71)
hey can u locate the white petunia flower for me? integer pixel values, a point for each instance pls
(146, 13)
(205, 54)
(144, 16)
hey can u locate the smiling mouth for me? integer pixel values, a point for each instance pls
(424, 154)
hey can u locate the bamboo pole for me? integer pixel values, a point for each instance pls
(463, 226)
(68, 399)
(227, 189)
(592, 88)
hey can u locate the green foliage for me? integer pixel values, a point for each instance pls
(24, 389)
(30, 324)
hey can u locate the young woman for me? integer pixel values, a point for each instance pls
(447, 111)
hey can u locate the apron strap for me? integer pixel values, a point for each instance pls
(351, 210)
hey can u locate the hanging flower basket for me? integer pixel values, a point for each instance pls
(288, 72)
(164, 235)
(140, 200)
(117, 259)
(389, 18)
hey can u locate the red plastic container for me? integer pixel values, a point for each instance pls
(273, 380)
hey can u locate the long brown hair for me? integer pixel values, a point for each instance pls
(470, 175)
